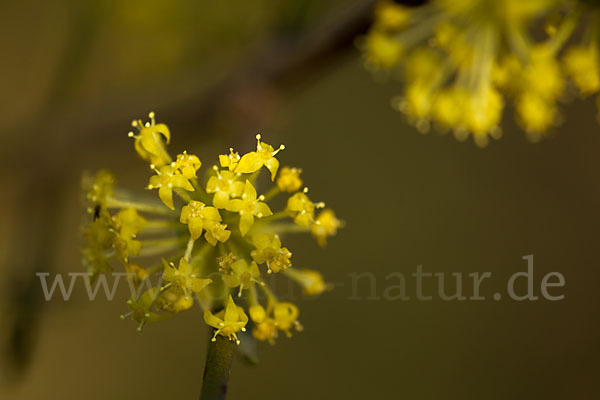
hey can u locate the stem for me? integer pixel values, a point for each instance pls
(189, 249)
(183, 194)
(150, 208)
(216, 371)
(274, 191)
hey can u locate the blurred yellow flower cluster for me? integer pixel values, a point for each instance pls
(213, 239)
(461, 61)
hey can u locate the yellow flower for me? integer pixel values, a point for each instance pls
(216, 232)
(390, 16)
(504, 72)
(448, 107)
(199, 217)
(99, 188)
(302, 209)
(289, 179)
(150, 141)
(99, 236)
(268, 250)
(483, 113)
(228, 321)
(174, 300)
(127, 224)
(326, 225)
(225, 262)
(126, 246)
(167, 180)
(535, 114)
(183, 277)
(187, 165)
(422, 66)
(312, 281)
(286, 317)
(257, 313)
(264, 155)
(225, 185)
(381, 51)
(450, 38)
(542, 75)
(136, 272)
(417, 103)
(230, 160)
(279, 315)
(241, 274)
(582, 64)
(266, 330)
(141, 308)
(249, 206)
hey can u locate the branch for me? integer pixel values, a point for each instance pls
(216, 371)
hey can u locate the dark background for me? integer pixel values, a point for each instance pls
(74, 74)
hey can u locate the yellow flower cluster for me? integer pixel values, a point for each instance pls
(211, 239)
(461, 60)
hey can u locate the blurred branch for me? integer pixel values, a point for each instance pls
(280, 65)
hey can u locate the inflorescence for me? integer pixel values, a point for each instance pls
(214, 239)
(461, 59)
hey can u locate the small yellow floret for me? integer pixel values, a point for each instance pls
(249, 206)
(289, 179)
(264, 155)
(582, 65)
(325, 225)
(228, 321)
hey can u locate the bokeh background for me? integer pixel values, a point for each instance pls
(75, 73)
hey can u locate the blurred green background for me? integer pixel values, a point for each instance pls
(75, 73)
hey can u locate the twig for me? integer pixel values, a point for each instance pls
(216, 371)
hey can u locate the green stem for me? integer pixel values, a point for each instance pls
(150, 208)
(216, 371)
(274, 191)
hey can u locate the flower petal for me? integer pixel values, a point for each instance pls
(272, 165)
(249, 163)
(234, 205)
(211, 320)
(246, 221)
(166, 195)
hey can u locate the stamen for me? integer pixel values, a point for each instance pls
(123, 316)
(281, 147)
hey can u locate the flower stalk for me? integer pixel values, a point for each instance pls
(215, 379)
